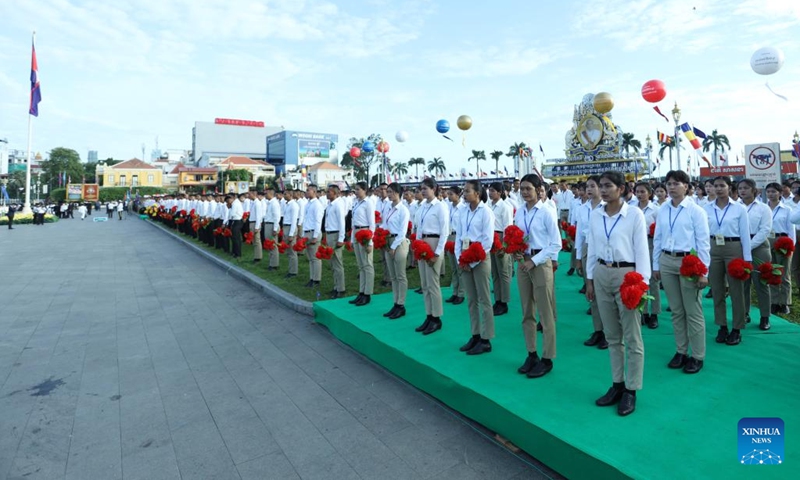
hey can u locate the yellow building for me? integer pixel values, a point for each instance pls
(196, 178)
(132, 173)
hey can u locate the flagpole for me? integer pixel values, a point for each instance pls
(26, 208)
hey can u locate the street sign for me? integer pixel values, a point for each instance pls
(763, 163)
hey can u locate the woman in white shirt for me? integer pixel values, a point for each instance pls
(433, 228)
(729, 231)
(760, 218)
(782, 226)
(700, 195)
(682, 227)
(477, 226)
(644, 193)
(501, 263)
(396, 251)
(363, 218)
(661, 194)
(598, 338)
(618, 245)
(455, 206)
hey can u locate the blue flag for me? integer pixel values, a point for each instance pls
(699, 132)
(4, 192)
(36, 91)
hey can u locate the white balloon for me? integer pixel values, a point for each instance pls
(767, 60)
(401, 136)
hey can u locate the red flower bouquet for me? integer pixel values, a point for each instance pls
(378, 218)
(269, 245)
(226, 232)
(173, 209)
(300, 244)
(739, 269)
(195, 225)
(450, 247)
(514, 240)
(652, 232)
(784, 246)
(421, 249)
(248, 238)
(475, 253)
(182, 213)
(571, 231)
(348, 245)
(324, 253)
(692, 268)
(218, 231)
(633, 291)
(379, 238)
(364, 236)
(282, 247)
(497, 245)
(564, 226)
(180, 221)
(770, 274)
(565, 244)
(192, 213)
(245, 216)
(413, 237)
(280, 235)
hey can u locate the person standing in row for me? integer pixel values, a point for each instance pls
(312, 232)
(363, 219)
(730, 239)
(236, 213)
(335, 215)
(539, 224)
(682, 228)
(433, 229)
(618, 245)
(781, 295)
(272, 224)
(291, 215)
(598, 338)
(255, 219)
(643, 193)
(396, 251)
(501, 263)
(759, 217)
(455, 206)
(477, 226)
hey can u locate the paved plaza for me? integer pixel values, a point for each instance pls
(125, 355)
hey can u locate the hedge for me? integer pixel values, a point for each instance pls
(108, 194)
(58, 194)
(23, 218)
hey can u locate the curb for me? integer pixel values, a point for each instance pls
(284, 298)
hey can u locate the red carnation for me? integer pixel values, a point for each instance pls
(413, 237)
(739, 269)
(410, 226)
(282, 247)
(183, 213)
(450, 247)
(571, 231)
(300, 245)
(421, 249)
(226, 232)
(653, 231)
(348, 245)
(378, 217)
(497, 246)
(245, 216)
(514, 240)
(565, 245)
(248, 238)
(280, 235)
(770, 274)
(324, 253)
(475, 253)
(364, 236)
(633, 291)
(692, 268)
(218, 231)
(784, 246)
(379, 238)
(269, 244)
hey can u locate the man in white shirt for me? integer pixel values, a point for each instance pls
(563, 200)
(272, 222)
(255, 219)
(312, 231)
(334, 233)
(235, 219)
(290, 230)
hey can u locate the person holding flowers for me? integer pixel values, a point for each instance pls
(433, 227)
(644, 192)
(396, 251)
(782, 239)
(290, 217)
(729, 230)
(456, 206)
(538, 224)
(363, 219)
(759, 217)
(473, 240)
(501, 263)
(681, 256)
(618, 246)
(598, 338)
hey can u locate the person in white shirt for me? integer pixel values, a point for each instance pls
(302, 201)
(363, 218)
(643, 192)
(235, 220)
(539, 225)
(660, 192)
(272, 222)
(335, 214)
(780, 295)
(477, 226)
(578, 199)
(433, 228)
(382, 206)
(759, 216)
(312, 231)
(255, 219)
(548, 202)
(730, 239)
(598, 338)
(290, 232)
(563, 199)
(455, 207)
(396, 250)
(501, 263)
(120, 208)
(514, 195)
(618, 245)
(682, 228)
(81, 210)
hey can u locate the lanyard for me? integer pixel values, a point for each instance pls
(748, 208)
(422, 220)
(527, 223)
(394, 210)
(775, 212)
(605, 227)
(469, 221)
(671, 221)
(716, 215)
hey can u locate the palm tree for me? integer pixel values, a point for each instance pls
(416, 162)
(718, 141)
(436, 166)
(514, 151)
(399, 169)
(628, 143)
(477, 155)
(496, 157)
(663, 147)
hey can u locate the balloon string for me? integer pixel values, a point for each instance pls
(775, 93)
(464, 140)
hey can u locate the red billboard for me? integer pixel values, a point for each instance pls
(238, 123)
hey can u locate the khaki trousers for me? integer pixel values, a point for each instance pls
(479, 299)
(336, 261)
(501, 276)
(536, 293)
(290, 253)
(314, 263)
(684, 300)
(782, 294)
(274, 258)
(596, 322)
(760, 254)
(431, 290)
(620, 325)
(257, 253)
(396, 266)
(455, 280)
(721, 255)
(654, 305)
(366, 269)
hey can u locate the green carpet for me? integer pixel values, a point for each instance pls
(685, 426)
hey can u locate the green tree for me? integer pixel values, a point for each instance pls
(361, 165)
(496, 157)
(718, 142)
(399, 169)
(437, 166)
(477, 155)
(514, 149)
(628, 143)
(663, 148)
(416, 162)
(16, 184)
(62, 161)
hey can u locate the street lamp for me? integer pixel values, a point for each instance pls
(676, 115)
(648, 145)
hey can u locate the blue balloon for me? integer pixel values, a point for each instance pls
(368, 147)
(442, 126)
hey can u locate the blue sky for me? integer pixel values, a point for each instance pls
(116, 76)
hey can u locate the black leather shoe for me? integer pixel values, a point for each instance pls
(357, 299)
(678, 361)
(693, 366)
(772, 309)
(709, 294)
(424, 325)
(594, 339)
(400, 312)
(471, 343)
(419, 290)
(434, 326)
(337, 294)
(747, 318)
(627, 404)
(458, 301)
(310, 284)
(582, 290)
(643, 318)
(290, 275)
(734, 338)
(501, 309)
(365, 299)
(450, 300)
(652, 322)
(603, 345)
(612, 397)
(390, 312)
(385, 283)
(589, 311)
(570, 272)
(540, 369)
(784, 309)
(764, 324)
(539, 327)
(722, 335)
(530, 362)
(483, 346)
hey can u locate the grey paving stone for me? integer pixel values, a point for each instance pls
(274, 466)
(424, 455)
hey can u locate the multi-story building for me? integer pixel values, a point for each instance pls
(131, 173)
(213, 142)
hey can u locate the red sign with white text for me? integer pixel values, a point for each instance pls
(238, 123)
(787, 168)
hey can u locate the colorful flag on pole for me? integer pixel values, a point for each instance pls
(689, 133)
(699, 133)
(665, 139)
(505, 169)
(540, 149)
(36, 91)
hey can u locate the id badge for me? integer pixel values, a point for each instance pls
(609, 254)
(464, 244)
(671, 244)
(720, 239)
(771, 235)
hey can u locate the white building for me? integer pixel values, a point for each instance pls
(213, 142)
(325, 173)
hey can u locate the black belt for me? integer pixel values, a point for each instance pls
(536, 252)
(498, 231)
(677, 254)
(781, 234)
(728, 239)
(360, 227)
(330, 232)
(425, 235)
(617, 264)
(308, 231)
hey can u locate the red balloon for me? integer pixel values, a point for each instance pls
(654, 91)
(355, 152)
(383, 147)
